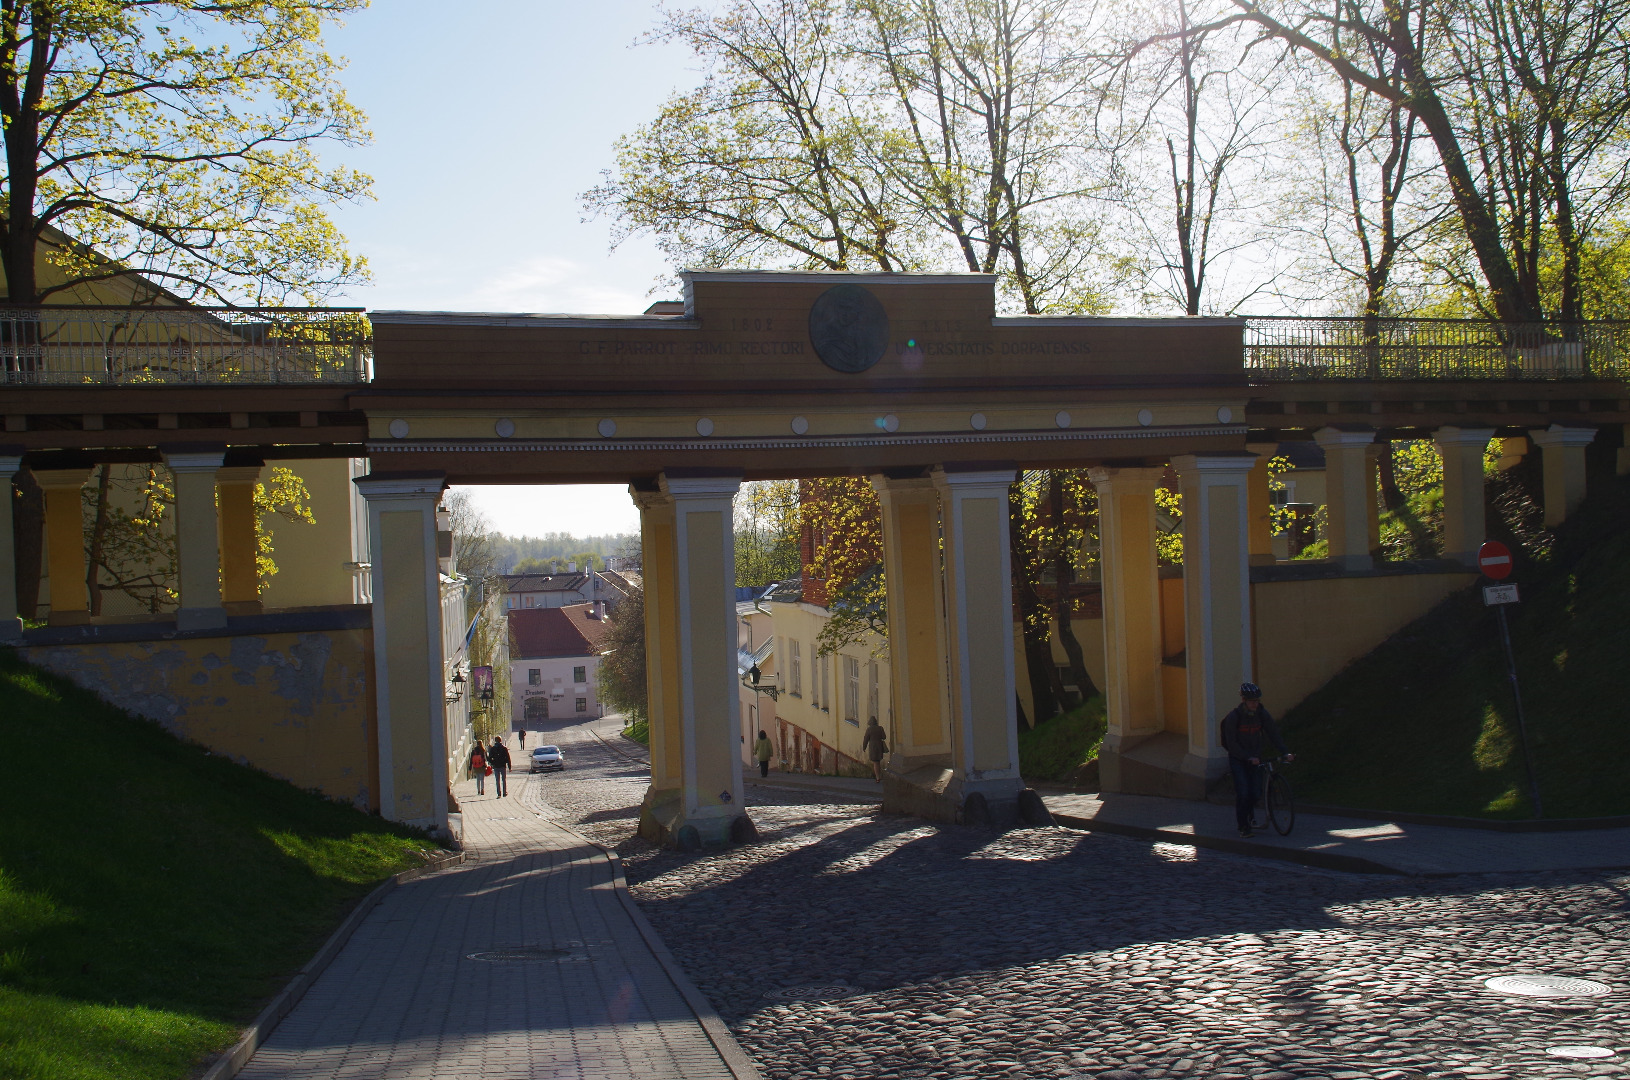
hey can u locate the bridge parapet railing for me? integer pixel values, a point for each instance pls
(1293, 349)
(85, 346)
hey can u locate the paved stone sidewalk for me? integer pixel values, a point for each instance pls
(1349, 843)
(404, 1001)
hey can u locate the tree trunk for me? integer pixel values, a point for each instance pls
(1046, 688)
(28, 525)
(1064, 571)
(1391, 496)
(99, 528)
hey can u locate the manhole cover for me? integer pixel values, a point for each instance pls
(521, 954)
(1581, 1052)
(1545, 986)
(813, 992)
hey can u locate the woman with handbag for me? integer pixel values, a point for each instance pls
(478, 768)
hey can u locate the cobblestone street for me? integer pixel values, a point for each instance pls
(1053, 953)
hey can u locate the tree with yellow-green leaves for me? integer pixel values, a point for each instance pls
(845, 523)
(130, 543)
(175, 138)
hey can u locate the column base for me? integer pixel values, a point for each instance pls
(11, 631)
(1153, 764)
(68, 618)
(663, 821)
(200, 618)
(1350, 563)
(936, 793)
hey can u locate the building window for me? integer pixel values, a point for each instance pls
(582, 704)
(851, 689)
(534, 677)
(797, 670)
(580, 674)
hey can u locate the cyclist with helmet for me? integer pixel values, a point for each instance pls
(1243, 732)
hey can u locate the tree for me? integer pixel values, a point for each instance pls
(1199, 113)
(844, 521)
(175, 138)
(891, 136)
(766, 532)
(1523, 101)
(622, 665)
(130, 543)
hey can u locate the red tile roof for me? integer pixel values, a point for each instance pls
(536, 633)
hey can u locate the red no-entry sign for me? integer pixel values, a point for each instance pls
(1494, 559)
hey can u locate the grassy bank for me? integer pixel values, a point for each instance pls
(1426, 722)
(639, 731)
(1058, 749)
(153, 896)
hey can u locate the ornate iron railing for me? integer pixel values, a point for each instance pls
(1290, 349)
(79, 346)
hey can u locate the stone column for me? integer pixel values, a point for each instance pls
(1563, 460)
(1261, 505)
(11, 627)
(240, 577)
(1216, 600)
(1464, 522)
(696, 799)
(1131, 596)
(918, 674)
(65, 544)
(408, 660)
(985, 782)
(1349, 495)
(197, 538)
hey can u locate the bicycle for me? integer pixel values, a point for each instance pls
(1277, 799)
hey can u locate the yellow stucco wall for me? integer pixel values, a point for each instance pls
(297, 705)
(311, 558)
(1308, 631)
(796, 622)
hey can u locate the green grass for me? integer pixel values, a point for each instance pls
(1426, 722)
(153, 896)
(639, 731)
(1056, 749)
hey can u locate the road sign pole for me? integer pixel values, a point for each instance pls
(1522, 726)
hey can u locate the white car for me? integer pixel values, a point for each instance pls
(545, 758)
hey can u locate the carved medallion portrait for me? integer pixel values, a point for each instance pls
(849, 328)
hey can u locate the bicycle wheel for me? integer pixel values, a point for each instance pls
(1281, 805)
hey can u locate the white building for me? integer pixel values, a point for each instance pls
(554, 664)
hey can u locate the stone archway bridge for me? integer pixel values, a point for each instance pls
(913, 380)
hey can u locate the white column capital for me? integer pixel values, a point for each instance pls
(982, 482)
(10, 465)
(193, 461)
(1568, 437)
(648, 500)
(699, 487)
(896, 486)
(1328, 437)
(1450, 435)
(1207, 465)
(408, 487)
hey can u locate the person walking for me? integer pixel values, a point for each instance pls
(498, 757)
(1243, 731)
(523, 740)
(763, 751)
(478, 767)
(876, 744)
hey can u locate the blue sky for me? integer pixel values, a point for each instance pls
(490, 118)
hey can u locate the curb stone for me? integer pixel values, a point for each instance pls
(235, 1057)
(1324, 860)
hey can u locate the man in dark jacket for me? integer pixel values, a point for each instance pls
(1243, 732)
(498, 758)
